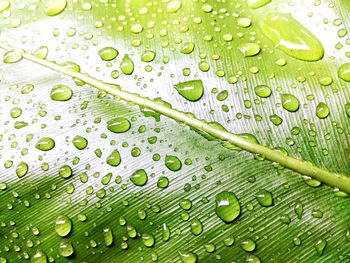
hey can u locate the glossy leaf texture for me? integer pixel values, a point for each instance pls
(133, 188)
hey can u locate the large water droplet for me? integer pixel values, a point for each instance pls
(191, 90)
(227, 206)
(108, 53)
(63, 225)
(173, 163)
(288, 35)
(45, 144)
(139, 177)
(126, 65)
(249, 49)
(39, 257)
(66, 248)
(61, 93)
(118, 125)
(344, 72)
(188, 257)
(55, 7)
(290, 102)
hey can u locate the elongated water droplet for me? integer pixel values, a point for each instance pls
(132, 233)
(196, 227)
(227, 206)
(288, 35)
(63, 225)
(166, 232)
(66, 248)
(249, 49)
(118, 125)
(108, 53)
(55, 7)
(290, 102)
(61, 93)
(45, 144)
(139, 177)
(39, 257)
(257, 3)
(13, 56)
(344, 72)
(322, 110)
(173, 163)
(264, 198)
(347, 109)
(188, 257)
(22, 169)
(126, 65)
(191, 90)
(114, 158)
(173, 6)
(298, 209)
(320, 246)
(108, 236)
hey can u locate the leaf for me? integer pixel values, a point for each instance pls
(32, 203)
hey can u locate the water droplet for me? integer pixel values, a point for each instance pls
(187, 48)
(322, 110)
(288, 35)
(290, 102)
(55, 7)
(257, 3)
(264, 198)
(126, 65)
(188, 257)
(61, 93)
(173, 6)
(263, 91)
(166, 232)
(139, 177)
(41, 52)
(249, 49)
(248, 245)
(118, 125)
(191, 90)
(173, 163)
(80, 142)
(45, 144)
(344, 72)
(21, 169)
(63, 225)
(227, 206)
(66, 248)
(148, 240)
(114, 158)
(320, 246)
(347, 109)
(252, 259)
(108, 236)
(65, 171)
(132, 233)
(108, 53)
(163, 182)
(276, 120)
(136, 28)
(39, 257)
(298, 209)
(196, 227)
(244, 22)
(148, 56)
(13, 56)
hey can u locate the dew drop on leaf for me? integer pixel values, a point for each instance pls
(188, 257)
(63, 225)
(290, 102)
(139, 177)
(55, 7)
(322, 110)
(344, 72)
(118, 125)
(108, 236)
(61, 93)
(13, 56)
(248, 245)
(66, 248)
(288, 35)
(45, 144)
(126, 65)
(191, 90)
(173, 163)
(227, 206)
(39, 257)
(108, 53)
(257, 3)
(265, 198)
(249, 49)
